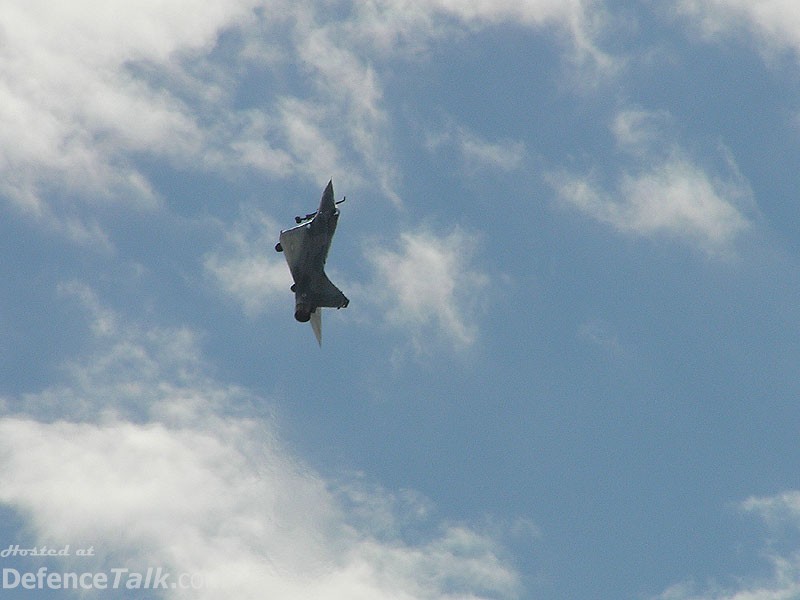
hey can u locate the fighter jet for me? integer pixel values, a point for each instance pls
(306, 249)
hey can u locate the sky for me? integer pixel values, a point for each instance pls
(571, 243)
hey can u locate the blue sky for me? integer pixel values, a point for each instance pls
(569, 364)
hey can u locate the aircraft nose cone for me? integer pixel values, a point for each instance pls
(327, 203)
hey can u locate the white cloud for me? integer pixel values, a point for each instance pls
(247, 266)
(782, 514)
(89, 88)
(429, 286)
(476, 152)
(346, 116)
(72, 111)
(641, 131)
(506, 156)
(252, 146)
(675, 198)
(410, 24)
(779, 511)
(350, 108)
(663, 192)
(776, 23)
(155, 470)
(581, 18)
(603, 335)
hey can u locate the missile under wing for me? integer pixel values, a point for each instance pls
(305, 247)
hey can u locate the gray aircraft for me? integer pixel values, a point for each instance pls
(306, 249)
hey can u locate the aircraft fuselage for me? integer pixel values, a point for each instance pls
(306, 249)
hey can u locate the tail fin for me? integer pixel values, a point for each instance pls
(316, 324)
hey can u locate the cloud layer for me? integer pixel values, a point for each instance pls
(89, 91)
(775, 23)
(74, 111)
(429, 287)
(157, 465)
(246, 266)
(425, 283)
(781, 513)
(662, 192)
(477, 153)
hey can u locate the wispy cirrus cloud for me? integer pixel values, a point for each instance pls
(774, 23)
(158, 465)
(660, 190)
(343, 57)
(428, 285)
(425, 283)
(476, 152)
(246, 266)
(781, 513)
(72, 112)
(675, 198)
(393, 23)
(88, 91)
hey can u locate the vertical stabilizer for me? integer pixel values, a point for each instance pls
(316, 324)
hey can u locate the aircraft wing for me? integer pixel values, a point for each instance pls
(292, 241)
(327, 294)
